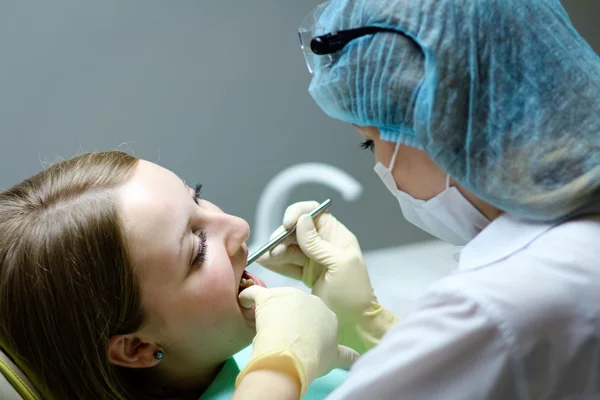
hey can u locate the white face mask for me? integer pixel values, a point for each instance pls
(447, 216)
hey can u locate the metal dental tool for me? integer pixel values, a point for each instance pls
(279, 238)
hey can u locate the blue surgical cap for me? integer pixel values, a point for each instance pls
(503, 95)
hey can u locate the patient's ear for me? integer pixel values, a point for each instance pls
(130, 352)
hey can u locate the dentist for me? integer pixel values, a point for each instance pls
(483, 116)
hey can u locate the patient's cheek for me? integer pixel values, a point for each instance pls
(218, 288)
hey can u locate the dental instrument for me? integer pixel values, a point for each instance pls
(279, 238)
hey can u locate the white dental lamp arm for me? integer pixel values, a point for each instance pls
(274, 198)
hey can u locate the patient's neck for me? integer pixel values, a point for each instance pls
(184, 381)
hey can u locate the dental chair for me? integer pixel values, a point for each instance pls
(14, 384)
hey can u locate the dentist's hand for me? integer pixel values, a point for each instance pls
(328, 259)
(296, 334)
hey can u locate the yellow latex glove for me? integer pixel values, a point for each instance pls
(295, 334)
(328, 259)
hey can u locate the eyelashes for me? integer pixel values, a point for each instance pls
(201, 254)
(368, 144)
(198, 192)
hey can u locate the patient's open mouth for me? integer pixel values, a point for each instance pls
(249, 280)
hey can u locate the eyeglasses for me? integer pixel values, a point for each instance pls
(318, 46)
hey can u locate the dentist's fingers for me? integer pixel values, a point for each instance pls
(279, 250)
(250, 296)
(289, 270)
(277, 231)
(290, 218)
(294, 212)
(311, 274)
(292, 255)
(346, 357)
(281, 247)
(312, 244)
(290, 264)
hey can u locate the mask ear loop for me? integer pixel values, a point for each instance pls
(393, 161)
(447, 181)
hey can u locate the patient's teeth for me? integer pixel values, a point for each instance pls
(246, 283)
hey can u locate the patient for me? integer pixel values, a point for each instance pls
(118, 282)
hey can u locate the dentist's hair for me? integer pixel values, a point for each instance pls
(66, 279)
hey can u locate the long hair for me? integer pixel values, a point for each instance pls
(66, 279)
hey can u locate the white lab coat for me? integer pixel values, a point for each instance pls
(519, 319)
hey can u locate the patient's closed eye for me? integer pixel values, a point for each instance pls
(201, 253)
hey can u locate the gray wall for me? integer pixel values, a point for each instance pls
(206, 88)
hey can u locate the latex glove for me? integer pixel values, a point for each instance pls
(328, 259)
(295, 334)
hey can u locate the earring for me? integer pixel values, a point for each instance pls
(159, 355)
